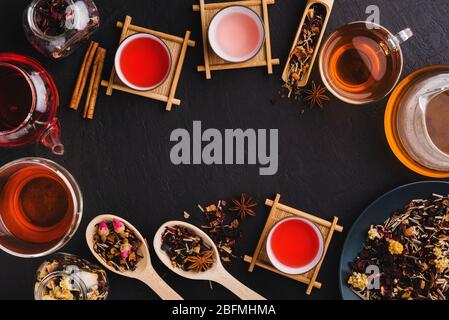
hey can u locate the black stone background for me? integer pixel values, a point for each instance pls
(332, 162)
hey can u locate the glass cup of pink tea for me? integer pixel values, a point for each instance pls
(143, 62)
(236, 34)
(295, 245)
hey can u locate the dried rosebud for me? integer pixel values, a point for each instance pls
(119, 227)
(125, 250)
(103, 230)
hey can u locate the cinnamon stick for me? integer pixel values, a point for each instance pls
(82, 76)
(94, 84)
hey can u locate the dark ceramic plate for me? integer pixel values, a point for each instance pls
(377, 213)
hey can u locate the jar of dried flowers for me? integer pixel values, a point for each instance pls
(67, 277)
(57, 27)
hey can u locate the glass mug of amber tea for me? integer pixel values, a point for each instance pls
(361, 62)
(40, 207)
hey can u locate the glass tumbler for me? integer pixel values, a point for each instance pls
(40, 207)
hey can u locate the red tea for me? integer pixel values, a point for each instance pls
(16, 97)
(145, 62)
(35, 205)
(295, 243)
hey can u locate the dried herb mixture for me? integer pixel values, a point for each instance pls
(51, 16)
(223, 226)
(187, 250)
(411, 250)
(301, 57)
(60, 278)
(117, 245)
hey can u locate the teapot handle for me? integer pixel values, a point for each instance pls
(51, 138)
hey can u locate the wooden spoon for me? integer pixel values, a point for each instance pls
(145, 271)
(216, 273)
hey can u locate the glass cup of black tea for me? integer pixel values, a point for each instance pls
(361, 62)
(40, 207)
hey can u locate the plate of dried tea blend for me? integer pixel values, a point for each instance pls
(398, 249)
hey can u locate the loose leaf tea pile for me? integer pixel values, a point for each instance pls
(187, 250)
(223, 226)
(51, 17)
(300, 60)
(411, 250)
(301, 56)
(117, 245)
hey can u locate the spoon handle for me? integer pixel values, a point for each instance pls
(239, 289)
(159, 286)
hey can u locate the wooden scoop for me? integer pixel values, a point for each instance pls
(145, 271)
(216, 273)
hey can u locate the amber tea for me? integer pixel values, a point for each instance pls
(35, 205)
(360, 64)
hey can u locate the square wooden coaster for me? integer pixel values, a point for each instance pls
(212, 62)
(279, 212)
(178, 48)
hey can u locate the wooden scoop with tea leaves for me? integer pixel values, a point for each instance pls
(191, 253)
(120, 248)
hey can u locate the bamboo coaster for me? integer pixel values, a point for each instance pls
(178, 48)
(212, 62)
(279, 212)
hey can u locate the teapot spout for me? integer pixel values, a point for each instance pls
(51, 138)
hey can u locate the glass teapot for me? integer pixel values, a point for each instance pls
(29, 101)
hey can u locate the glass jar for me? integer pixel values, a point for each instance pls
(68, 277)
(57, 27)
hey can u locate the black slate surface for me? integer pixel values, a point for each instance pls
(331, 162)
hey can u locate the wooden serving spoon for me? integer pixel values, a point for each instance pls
(145, 271)
(216, 273)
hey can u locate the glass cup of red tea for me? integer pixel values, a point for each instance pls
(236, 34)
(29, 103)
(143, 62)
(40, 207)
(295, 245)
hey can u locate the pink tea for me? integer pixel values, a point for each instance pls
(145, 62)
(16, 97)
(295, 243)
(237, 35)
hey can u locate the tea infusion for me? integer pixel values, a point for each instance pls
(359, 65)
(16, 97)
(35, 205)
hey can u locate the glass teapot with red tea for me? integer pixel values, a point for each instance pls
(29, 102)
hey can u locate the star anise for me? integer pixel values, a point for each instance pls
(244, 207)
(201, 262)
(316, 95)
